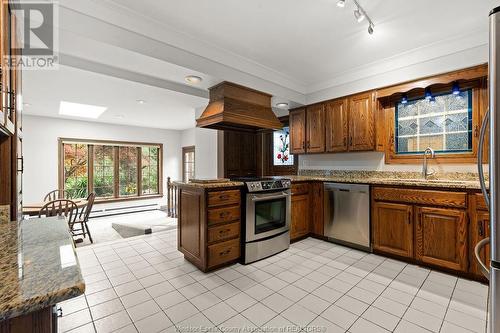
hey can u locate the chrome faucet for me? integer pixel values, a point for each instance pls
(425, 172)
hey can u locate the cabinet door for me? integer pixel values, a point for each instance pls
(441, 237)
(361, 123)
(299, 216)
(298, 131)
(317, 201)
(191, 238)
(392, 227)
(479, 229)
(315, 132)
(337, 125)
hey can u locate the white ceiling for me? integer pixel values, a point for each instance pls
(300, 51)
(312, 41)
(44, 90)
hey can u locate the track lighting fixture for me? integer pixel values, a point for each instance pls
(359, 14)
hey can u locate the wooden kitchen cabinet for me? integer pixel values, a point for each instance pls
(209, 225)
(300, 211)
(337, 125)
(392, 228)
(315, 129)
(298, 131)
(441, 237)
(479, 229)
(317, 209)
(361, 122)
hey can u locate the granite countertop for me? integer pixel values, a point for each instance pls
(211, 185)
(38, 266)
(465, 181)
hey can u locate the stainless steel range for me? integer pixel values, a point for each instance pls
(265, 230)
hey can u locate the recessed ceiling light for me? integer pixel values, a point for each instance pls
(119, 116)
(81, 110)
(27, 104)
(141, 101)
(341, 3)
(193, 79)
(282, 105)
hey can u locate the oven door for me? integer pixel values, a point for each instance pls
(267, 214)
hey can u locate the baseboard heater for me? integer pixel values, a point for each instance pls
(123, 210)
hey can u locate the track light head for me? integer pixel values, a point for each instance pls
(359, 15)
(370, 29)
(341, 3)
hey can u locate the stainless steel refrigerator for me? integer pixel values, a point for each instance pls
(493, 197)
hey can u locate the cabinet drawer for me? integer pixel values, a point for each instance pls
(302, 188)
(221, 253)
(221, 215)
(223, 232)
(422, 197)
(221, 198)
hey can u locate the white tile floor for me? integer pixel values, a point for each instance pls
(143, 284)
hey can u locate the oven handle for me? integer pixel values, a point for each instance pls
(270, 197)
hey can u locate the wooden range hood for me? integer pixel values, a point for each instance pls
(238, 108)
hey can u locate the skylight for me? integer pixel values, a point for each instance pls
(81, 110)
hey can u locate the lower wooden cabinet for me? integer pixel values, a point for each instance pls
(441, 237)
(209, 226)
(479, 229)
(430, 227)
(392, 228)
(299, 225)
(317, 209)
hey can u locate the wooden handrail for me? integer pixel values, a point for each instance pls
(172, 200)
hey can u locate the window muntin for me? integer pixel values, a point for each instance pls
(112, 170)
(281, 147)
(128, 170)
(76, 176)
(104, 171)
(444, 124)
(149, 172)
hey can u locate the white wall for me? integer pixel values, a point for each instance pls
(205, 150)
(40, 145)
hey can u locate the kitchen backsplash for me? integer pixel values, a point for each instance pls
(372, 161)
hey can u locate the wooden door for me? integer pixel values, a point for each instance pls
(298, 131)
(299, 216)
(315, 132)
(392, 228)
(317, 201)
(336, 125)
(361, 122)
(441, 237)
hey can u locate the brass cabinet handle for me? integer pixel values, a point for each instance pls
(224, 214)
(350, 141)
(223, 253)
(409, 217)
(224, 197)
(224, 231)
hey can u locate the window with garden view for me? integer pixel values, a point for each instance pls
(111, 170)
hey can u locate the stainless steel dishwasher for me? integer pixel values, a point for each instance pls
(347, 214)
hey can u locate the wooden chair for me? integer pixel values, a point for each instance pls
(83, 218)
(55, 195)
(60, 207)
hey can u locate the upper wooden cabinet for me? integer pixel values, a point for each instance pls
(341, 125)
(361, 122)
(298, 131)
(8, 39)
(315, 129)
(337, 125)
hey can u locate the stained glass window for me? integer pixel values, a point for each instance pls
(281, 147)
(443, 123)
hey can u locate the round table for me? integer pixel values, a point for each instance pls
(34, 208)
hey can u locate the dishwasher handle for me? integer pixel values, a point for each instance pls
(349, 188)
